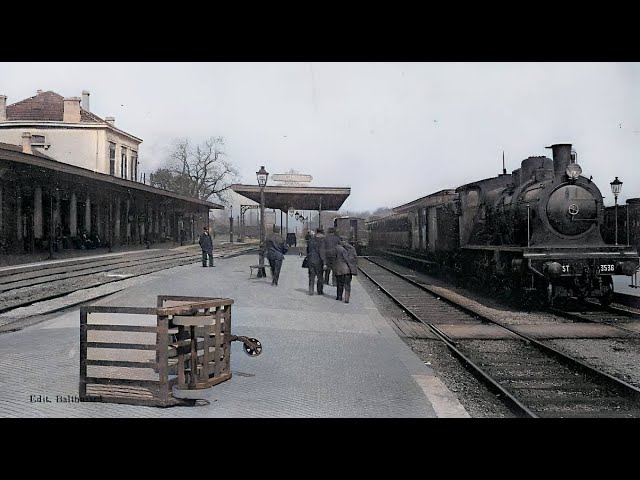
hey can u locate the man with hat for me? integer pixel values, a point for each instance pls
(330, 242)
(276, 250)
(207, 247)
(317, 259)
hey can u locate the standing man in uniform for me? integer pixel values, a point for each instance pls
(207, 247)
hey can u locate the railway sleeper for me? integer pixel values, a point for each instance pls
(609, 414)
(509, 362)
(565, 394)
(503, 377)
(581, 403)
(544, 383)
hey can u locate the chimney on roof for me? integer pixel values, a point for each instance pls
(26, 143)
(3, 108)
(71, 110)
(110, 120)
(85, 100)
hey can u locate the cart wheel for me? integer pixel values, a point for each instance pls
(253, 352)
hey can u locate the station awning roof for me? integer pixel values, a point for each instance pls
(44, 163)
(298, 198)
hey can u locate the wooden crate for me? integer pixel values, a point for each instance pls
(138, 355)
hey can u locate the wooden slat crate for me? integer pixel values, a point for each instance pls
(137, 355)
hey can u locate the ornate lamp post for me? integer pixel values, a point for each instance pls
(262, 176)
(231, 225)
(616, 186)
(297, 215)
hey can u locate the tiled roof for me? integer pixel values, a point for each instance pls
(46, 106)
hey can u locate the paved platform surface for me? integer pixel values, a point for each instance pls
(626, 285)
(321, 358)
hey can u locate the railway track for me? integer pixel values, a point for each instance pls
(22, 286)
(534, 379)
(595, 313)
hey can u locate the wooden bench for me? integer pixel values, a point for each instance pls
(257, 267)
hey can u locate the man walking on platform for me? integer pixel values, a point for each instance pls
(276, 250)
(207, 247)
(345, 267)
(317, 260)
(330, 242)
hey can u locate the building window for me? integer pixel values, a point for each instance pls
(134, 166)
(123, 162)
(112, 158)
(39, 141)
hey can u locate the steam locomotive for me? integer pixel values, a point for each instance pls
(537, 229)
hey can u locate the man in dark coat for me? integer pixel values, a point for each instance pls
(207, 247)
(276, 250)
(330, 242)
(317, 260)
(345, 266)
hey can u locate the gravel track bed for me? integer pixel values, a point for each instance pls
(617, 357)
(474, 396)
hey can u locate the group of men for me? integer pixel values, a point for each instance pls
(276, 248)
(325, 255)
(331, 253)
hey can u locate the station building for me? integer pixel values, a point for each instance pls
(67, 174)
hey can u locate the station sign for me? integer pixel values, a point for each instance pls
(288, 177)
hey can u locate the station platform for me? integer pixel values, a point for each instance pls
(321, 358)
(626, 285)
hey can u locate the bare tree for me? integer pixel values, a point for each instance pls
(202, 171)
(382, 211)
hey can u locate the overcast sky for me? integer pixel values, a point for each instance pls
(393, 132)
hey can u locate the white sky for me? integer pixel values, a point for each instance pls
(393, 132)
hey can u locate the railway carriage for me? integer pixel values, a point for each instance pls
(354, 231)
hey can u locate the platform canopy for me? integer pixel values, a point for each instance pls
(297, 198)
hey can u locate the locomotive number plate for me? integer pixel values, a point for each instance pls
(607, 268)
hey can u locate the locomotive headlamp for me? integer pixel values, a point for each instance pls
(552, 269)
(573, 171)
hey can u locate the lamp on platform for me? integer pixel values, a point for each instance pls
(616, 186)
(262, 176)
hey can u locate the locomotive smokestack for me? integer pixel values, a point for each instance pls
(561, 158)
